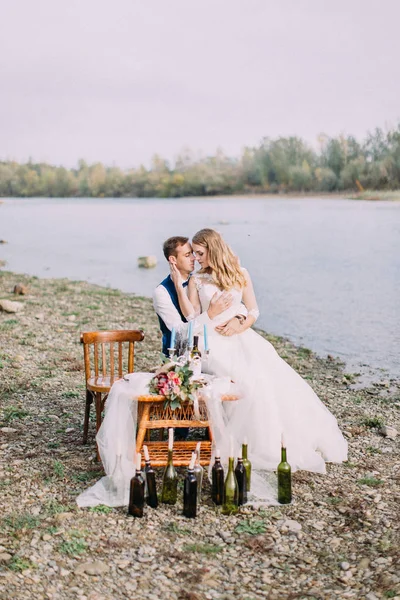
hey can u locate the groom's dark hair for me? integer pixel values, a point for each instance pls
(171, 244)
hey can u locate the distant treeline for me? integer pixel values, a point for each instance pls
(280, 165)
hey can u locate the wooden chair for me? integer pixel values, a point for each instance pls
(102, 367)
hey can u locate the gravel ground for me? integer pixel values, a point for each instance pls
(339, 539)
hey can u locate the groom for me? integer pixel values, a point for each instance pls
(178, 252)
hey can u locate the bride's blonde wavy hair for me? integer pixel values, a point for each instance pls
(224, 266)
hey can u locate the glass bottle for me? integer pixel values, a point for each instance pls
(170, 479)
(241, 478)
(247, 464)
(151, 488)
(284, 478)
(190, 491)
(195, 358)
(217, 477)
(231, 492)
(198, 471)
(136, 493)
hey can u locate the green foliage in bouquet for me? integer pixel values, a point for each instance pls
(174, 382)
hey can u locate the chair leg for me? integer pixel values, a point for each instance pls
(89, 401)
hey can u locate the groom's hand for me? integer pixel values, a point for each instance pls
(219, 303)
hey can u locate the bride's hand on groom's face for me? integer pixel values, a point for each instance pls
(231, 327)
(175, 274)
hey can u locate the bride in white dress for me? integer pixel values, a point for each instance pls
(275, 399)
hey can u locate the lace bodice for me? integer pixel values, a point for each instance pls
(206, 289)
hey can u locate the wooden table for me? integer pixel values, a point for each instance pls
(152, 414)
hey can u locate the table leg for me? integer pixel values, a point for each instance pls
(142, 426)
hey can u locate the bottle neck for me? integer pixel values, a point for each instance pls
(231, 463)
(170, 455)
(244, 451)
(283, 454)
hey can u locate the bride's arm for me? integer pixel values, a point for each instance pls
(250, 302)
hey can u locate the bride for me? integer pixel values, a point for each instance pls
(275, 399)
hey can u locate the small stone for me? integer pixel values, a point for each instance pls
(63, 516)
(8, 430)
(69, 430)
(5, 557)
(92, 568)
(72, 318)
(319, 525)
(46, 537)
(364, 563)
(389, 432)
(291, 525)
(20, 289)
(371, 596)
(344, 566)
(10, 307)
(147, 262)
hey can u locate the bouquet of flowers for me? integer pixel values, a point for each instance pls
(174, 381)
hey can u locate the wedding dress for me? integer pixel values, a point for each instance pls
(274, 400)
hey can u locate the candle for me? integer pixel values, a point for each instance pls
(283, 443)
(190, 334)
(245, 440)
(170, 438)
(146, 453)
(205, 339)
(192, 460)
(138, 462)
(173, 336)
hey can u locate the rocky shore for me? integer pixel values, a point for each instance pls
(339, 538)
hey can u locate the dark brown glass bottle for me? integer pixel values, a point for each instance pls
(247, 464)
(217, 477)
(136, 493)
(190, 492)
(151, 488)
(241, 478)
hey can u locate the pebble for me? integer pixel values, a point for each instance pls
(344, 566)
(5, 557)
(291, 525)
(8, 430)
(389, 432)
(92, 568)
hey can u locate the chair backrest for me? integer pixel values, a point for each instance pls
(101, 345)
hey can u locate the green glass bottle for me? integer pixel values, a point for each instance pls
(246, 464)
(284, 478)
(195, 358)
(231, 491)
(169, 492)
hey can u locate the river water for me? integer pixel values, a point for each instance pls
(326, 271)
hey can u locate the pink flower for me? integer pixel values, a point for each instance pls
(176, 389)
(171, 375)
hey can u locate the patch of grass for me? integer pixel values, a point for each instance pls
(174, 528)
(371, 481)
(14, 412)
(53, 445)
(202, 548)
(16, 521)
(333, 500)
(59, 469)
(52, 530)
(373, 422)
(71, 394)
(85, 476)
(372, 450)
(390, 594)
(75, 545)
(19, 564)
(8, 324)
(101, 509)
(53, 507)
(304, 352)
(93, 307)
(255, 527)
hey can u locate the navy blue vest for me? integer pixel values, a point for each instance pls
(170, 287)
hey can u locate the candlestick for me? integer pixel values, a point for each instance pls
(205, 338)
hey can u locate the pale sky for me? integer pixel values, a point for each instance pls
(119, 81)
